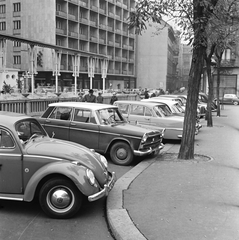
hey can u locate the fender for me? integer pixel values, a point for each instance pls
(75, 173)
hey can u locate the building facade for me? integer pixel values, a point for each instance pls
(157, 58)
(95, 27)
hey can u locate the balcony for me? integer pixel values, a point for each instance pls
(102, 41)
(111, 14)
(93, 23)
(101, 10)
(74, 1)
(93, 39)
(111, 43)
(84, 20)
(83, 36)
(61, 14)
(83, 4)
(60, 31)
(103, 26)
(72, 17)
(117, 44)
(110, 28)
(73, 34)
(94, 8)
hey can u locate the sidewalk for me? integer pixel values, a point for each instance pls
(185, 200)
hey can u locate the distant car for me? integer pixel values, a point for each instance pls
(100, 127)
(230, 99)
(59, 173)
(152, 115)
(174, 107)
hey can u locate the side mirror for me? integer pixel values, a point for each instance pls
(53, 134)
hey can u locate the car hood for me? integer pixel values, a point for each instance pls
(68, 151)
(129, 129)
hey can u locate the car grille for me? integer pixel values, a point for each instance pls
(153, 139)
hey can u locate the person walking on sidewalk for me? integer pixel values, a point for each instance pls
(90, 97)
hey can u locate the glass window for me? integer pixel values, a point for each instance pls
(110, 116)
(6, 140)
(137, 110)
(84, 116)
(123, 107)
(17, 7)
(61, 113)
(147, 112)
(25, 129)
(3, 8)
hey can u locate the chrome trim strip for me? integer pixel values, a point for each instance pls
(39, 156)
(10, 154)
(11, 198)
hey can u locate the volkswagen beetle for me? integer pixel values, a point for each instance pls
(59, 173)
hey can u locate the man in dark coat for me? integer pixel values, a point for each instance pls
(90, 97)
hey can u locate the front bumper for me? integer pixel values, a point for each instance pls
(105, 191)
(148, 151)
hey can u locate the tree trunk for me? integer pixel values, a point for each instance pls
(218, 88)
(210, 94)
(186, 150)
(187, 143)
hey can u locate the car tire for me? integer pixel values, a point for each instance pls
(235, 103)
(121, 154)
(59, 198)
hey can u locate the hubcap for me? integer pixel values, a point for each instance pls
(60, 198)
(121, 153)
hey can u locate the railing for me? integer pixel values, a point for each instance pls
(36, 107)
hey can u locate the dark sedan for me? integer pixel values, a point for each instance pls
(102, 128)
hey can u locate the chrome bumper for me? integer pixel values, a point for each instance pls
(149, 151)
(105, 191)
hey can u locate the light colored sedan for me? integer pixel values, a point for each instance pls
(153, 116)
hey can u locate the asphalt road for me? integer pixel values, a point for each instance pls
(26, 221)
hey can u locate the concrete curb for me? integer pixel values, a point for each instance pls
(119, 220)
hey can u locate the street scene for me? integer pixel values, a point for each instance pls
(119, 119)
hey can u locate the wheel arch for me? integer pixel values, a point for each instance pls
(51, 171)
(118, 140)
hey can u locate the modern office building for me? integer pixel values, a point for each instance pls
(157, 57)
(96, 30)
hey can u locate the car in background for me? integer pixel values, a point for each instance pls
(229, 99)
(152, 115)
(173, 98)
(175, 109)
(102, 128)
(60, 173)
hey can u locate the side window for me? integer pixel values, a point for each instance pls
(137, 110)
(6, 140)
(61, 113)
(84, 116)
(147, 112)
(123, 108)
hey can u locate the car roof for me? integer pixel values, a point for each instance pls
(160, 100)
(9, 118)
(93, 106)
(145, 103)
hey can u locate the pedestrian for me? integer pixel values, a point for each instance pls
(113, 98)
(99, 98)
(146, 94)
(90, 97)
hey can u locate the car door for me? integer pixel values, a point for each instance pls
(11, 178)
(84, 128)
(139, 114)
(57, 124)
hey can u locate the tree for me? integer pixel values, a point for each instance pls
(193, 17)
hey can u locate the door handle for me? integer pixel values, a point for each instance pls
(73, 124)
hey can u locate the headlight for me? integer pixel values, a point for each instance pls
(104, 161)
(144, 138)
(91, 177)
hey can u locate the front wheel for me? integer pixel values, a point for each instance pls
(235, 103)
(60, 198)
(121, 154)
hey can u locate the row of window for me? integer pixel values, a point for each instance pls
(16, 25)
(16, 7)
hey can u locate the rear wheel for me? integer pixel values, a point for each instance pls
(235, 103)
(60, 198)
(121, 154)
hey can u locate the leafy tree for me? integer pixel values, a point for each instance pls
(193, 17)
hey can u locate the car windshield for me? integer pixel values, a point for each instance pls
(162, 110)
(29, 129)
(110, 116)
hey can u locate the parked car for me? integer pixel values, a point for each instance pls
(229, 99)
(58, 172)
(101, 127)
(175, 109)
(152, 115)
